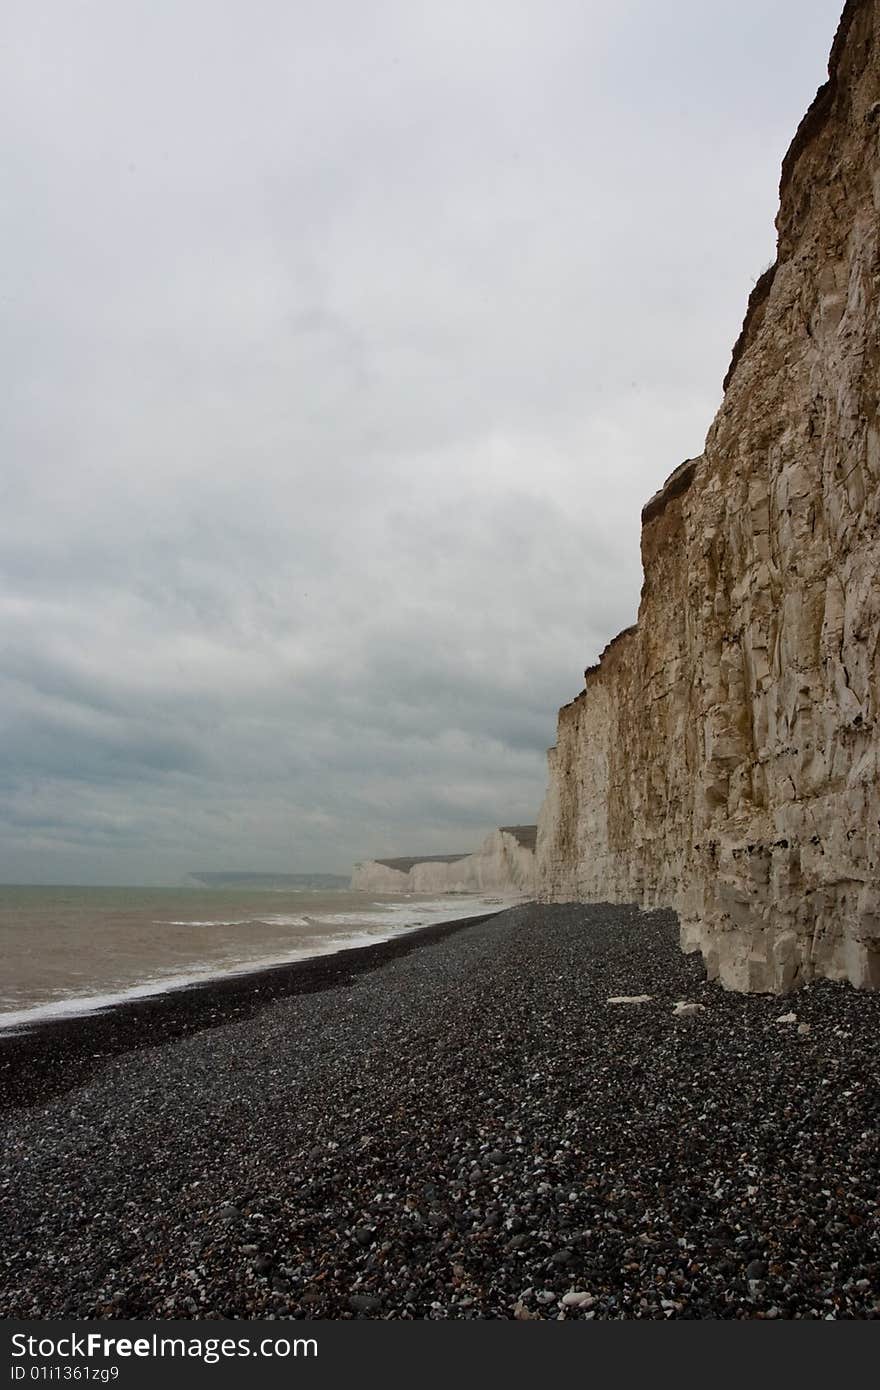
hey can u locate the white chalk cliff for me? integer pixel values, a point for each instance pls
(722, 758)
(504, 863)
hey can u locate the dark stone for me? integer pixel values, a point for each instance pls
(364, 1303)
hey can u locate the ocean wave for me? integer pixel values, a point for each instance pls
(277, 919)
(283, 919)
(229, 922)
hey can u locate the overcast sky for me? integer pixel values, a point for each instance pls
(343, 341)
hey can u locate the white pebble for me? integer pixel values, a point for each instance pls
(577, 1298)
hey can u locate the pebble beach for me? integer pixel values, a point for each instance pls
(458, 1125)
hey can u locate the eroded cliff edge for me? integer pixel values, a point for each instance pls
(723, 756)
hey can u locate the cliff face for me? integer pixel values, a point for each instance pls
(723, 756)
(504, 863)
(372, 876)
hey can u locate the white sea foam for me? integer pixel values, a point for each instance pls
(434, 910)
(232, 922)
(276, 919)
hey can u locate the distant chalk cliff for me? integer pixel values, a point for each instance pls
(504, 863)
(723, 755)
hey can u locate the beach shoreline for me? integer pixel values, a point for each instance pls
(52, 1055)
(470, 1129)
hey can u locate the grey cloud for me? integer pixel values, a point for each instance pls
(342, 345)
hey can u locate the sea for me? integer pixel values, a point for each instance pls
(67, 951)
